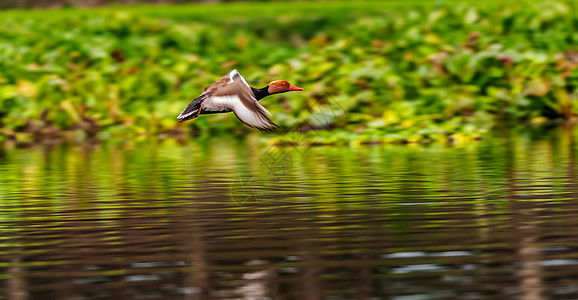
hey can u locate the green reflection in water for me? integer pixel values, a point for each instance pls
(231, 217)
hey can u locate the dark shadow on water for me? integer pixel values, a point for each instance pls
(171, 220)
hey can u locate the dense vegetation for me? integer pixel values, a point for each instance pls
(375, 72)
(4, 4)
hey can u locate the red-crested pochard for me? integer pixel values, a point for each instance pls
(232, 93)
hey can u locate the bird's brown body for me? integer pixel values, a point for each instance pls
(231, 93)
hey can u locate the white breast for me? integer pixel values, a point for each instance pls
(220, 104)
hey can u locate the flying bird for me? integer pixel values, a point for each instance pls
(232, 93)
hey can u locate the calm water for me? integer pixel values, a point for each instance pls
(231, 218)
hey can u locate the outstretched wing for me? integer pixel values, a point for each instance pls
(231, 92)
(219, 83)
(193, 110)
(238, 94)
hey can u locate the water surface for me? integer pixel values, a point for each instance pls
(232, 218)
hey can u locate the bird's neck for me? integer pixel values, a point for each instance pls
(261, 93)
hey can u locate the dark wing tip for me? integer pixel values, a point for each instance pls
(270, 128)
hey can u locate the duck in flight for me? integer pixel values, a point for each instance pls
(232, 93)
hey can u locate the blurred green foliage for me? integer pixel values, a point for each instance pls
(386, 72)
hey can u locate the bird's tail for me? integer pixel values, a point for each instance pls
(192, 111)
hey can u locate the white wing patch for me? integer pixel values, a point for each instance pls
(234, 73)
(252, 118)
(223, 103)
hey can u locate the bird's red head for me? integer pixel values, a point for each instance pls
(281, 86)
